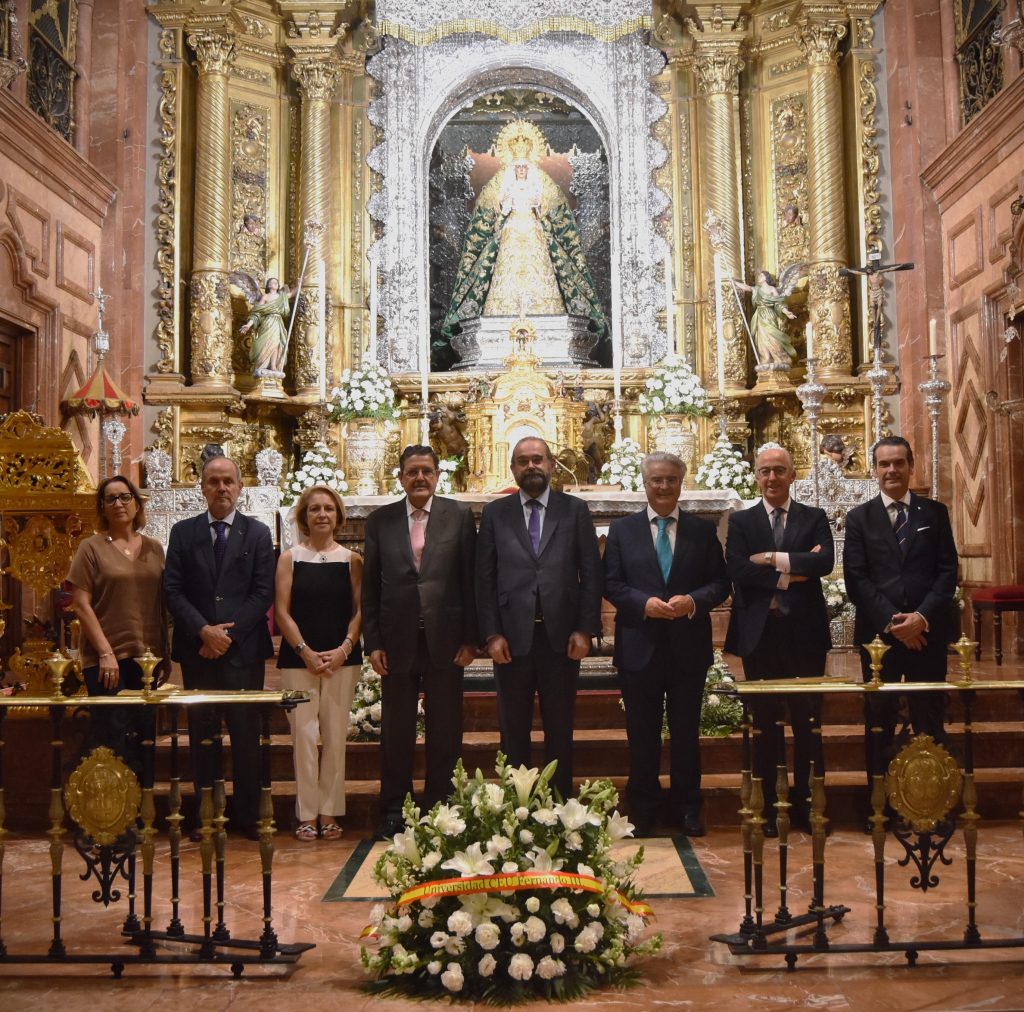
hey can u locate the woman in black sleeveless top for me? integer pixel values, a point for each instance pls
(317, 610)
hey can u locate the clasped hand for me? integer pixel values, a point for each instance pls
(909, 628)
(678, 606)
(216, 641)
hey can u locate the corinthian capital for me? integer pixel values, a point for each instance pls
(317, 78)
(215, 50)
(821, 31)
(717, 70)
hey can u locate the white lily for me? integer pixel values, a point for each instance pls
(574, 815)
(469, 862)
(523, 781)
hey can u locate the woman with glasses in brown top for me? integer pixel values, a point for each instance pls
(116, 593)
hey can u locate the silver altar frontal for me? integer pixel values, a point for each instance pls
(560, 341)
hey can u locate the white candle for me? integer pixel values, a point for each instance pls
(809, 335)
(670, 322)
(424, 385)
(933, 346)
(616, 328)
(373, 306)
(322, 322)
(719, 325)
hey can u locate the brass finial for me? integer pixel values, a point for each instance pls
(876, 651)
(58, 665)
(148, 662)
(965, 648)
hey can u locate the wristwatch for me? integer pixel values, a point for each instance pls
(299, 647)
(767, 558)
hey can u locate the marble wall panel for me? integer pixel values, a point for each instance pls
(965, 249)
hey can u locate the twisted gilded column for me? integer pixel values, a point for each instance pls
(317, 71)
(210, 316)
(716, 61)
(829, 296)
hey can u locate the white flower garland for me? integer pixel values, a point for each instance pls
(498, 944)
(623, 466)
(725, 468)
(318, 467)
(673, 389)
(364, 393)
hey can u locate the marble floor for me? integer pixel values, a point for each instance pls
(691, 972)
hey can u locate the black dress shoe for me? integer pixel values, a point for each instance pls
(692, 824)
(196, 836)
(389, 828)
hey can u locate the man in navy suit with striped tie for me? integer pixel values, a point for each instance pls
(664, 572)
(900, 566)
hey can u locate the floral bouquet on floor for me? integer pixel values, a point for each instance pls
(364, 717)
(318, 467)
(623, 466)
(363, 393)
(673, 389)
(503, 896)
(725, 468)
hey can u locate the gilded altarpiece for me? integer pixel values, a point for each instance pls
(764, 115)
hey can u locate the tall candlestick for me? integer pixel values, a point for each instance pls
(719, 325)
(933, 348)
(616, 327)
(670, 309)
(424, 385)
(809, 335)
(322, 323)
(373, 306)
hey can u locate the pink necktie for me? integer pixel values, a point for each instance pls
(417, 535)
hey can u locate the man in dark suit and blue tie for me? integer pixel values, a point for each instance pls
(900, 565)
(538, 582)
(219, 585)
(776, 554)
(419, 629)
(664, 572)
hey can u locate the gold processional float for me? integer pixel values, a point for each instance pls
(45, 496)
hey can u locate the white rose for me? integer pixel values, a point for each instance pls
(536, 929)
(549, 968)
(452, 978)
(434, 967)
(438, 940)
(520, 967)
(460, 923)
(487, 936)
(486, 965)
(533, 904)
(557, 943)
(425, 919)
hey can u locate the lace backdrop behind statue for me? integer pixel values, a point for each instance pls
(460, 167)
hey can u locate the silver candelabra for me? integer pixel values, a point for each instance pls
(934, 390)
(812, 395)
(877, 376)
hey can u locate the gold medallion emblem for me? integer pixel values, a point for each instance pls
(102, 796)
(923, 783)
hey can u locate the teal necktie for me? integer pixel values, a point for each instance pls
(663, 547)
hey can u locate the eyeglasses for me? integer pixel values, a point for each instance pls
(659, 482)
(767, 472)
(124, 498)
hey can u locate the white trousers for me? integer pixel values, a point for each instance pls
(320, 780)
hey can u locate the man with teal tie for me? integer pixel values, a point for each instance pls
(664, 572)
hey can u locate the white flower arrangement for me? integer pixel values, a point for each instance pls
(532, 903)
(318, 467)
(673, 389)
(725, 468)
(363, 393)
(623, 466)
(365, 714)
(446, 468)
(837, 601)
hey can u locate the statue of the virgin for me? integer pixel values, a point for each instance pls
(522, 253)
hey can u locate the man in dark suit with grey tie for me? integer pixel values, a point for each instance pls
(219, 585)
(900, 566)
(776, 554)
(664, 572)
(419, 629)
(538, 582)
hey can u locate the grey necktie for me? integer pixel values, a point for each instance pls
(778, 526)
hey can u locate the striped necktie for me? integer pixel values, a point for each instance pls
(901, 528)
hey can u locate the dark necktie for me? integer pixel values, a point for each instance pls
(533, 528)
(778, 527)
(663, 547)
(900, 528)
(220, 542)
